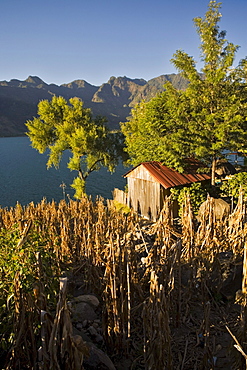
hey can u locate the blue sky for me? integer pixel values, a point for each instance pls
(64, 40)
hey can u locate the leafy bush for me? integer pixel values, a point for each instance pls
(231, 187)
(20, 263)
(197, 193)
(79, 186)
(121, 208)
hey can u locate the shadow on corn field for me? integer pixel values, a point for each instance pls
(85, 287)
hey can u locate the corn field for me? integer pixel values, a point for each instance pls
(166, 302)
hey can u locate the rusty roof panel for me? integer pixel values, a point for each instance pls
(170, 178)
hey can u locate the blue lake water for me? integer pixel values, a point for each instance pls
(24, 177)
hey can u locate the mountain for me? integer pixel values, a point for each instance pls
(113, 99)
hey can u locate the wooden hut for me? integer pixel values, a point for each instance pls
(150, 182)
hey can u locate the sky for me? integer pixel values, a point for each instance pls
(65, 40)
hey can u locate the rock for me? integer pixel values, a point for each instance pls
(100, 331)
(220, 209)
(97, 359)
(233, 282)
(83, 311)
(226, 277)
(81, 345)
(79, 326)
(84, 336)
(85, 323)
(92, 331)
(99, 338)
(87, 298)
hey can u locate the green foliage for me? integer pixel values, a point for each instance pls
(231, 186)
(21, 262)
(121, 208)
(197, 193)
(217, 97)
(157, 130)
(203, 121)
(79, 186)
(63, 125)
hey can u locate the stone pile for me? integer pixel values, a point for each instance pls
(86, 322)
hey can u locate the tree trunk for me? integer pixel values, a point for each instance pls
(82, 177)
(213, 171)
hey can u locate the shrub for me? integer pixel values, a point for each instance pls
(197, 193)
(121, 208)
(19, 263)
(231, 186)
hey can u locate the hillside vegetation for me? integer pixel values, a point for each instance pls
(113, 99)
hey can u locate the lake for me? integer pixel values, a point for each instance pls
(24, 177)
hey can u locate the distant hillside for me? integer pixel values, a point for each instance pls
(114, 99)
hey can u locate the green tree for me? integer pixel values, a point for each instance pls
(217, 97)
(63, 125)
(157, 130)
(206, 119)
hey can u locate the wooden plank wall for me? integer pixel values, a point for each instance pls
(144, 197)
(120, 196)
(143, 193)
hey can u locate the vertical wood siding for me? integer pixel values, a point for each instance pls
(144, 197)
(120, 196)
(144, 193)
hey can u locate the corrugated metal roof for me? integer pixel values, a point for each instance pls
(170, 178)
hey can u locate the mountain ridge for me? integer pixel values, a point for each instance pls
(113, 99)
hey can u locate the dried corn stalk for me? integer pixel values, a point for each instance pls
(65, 350)
(157, 337)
